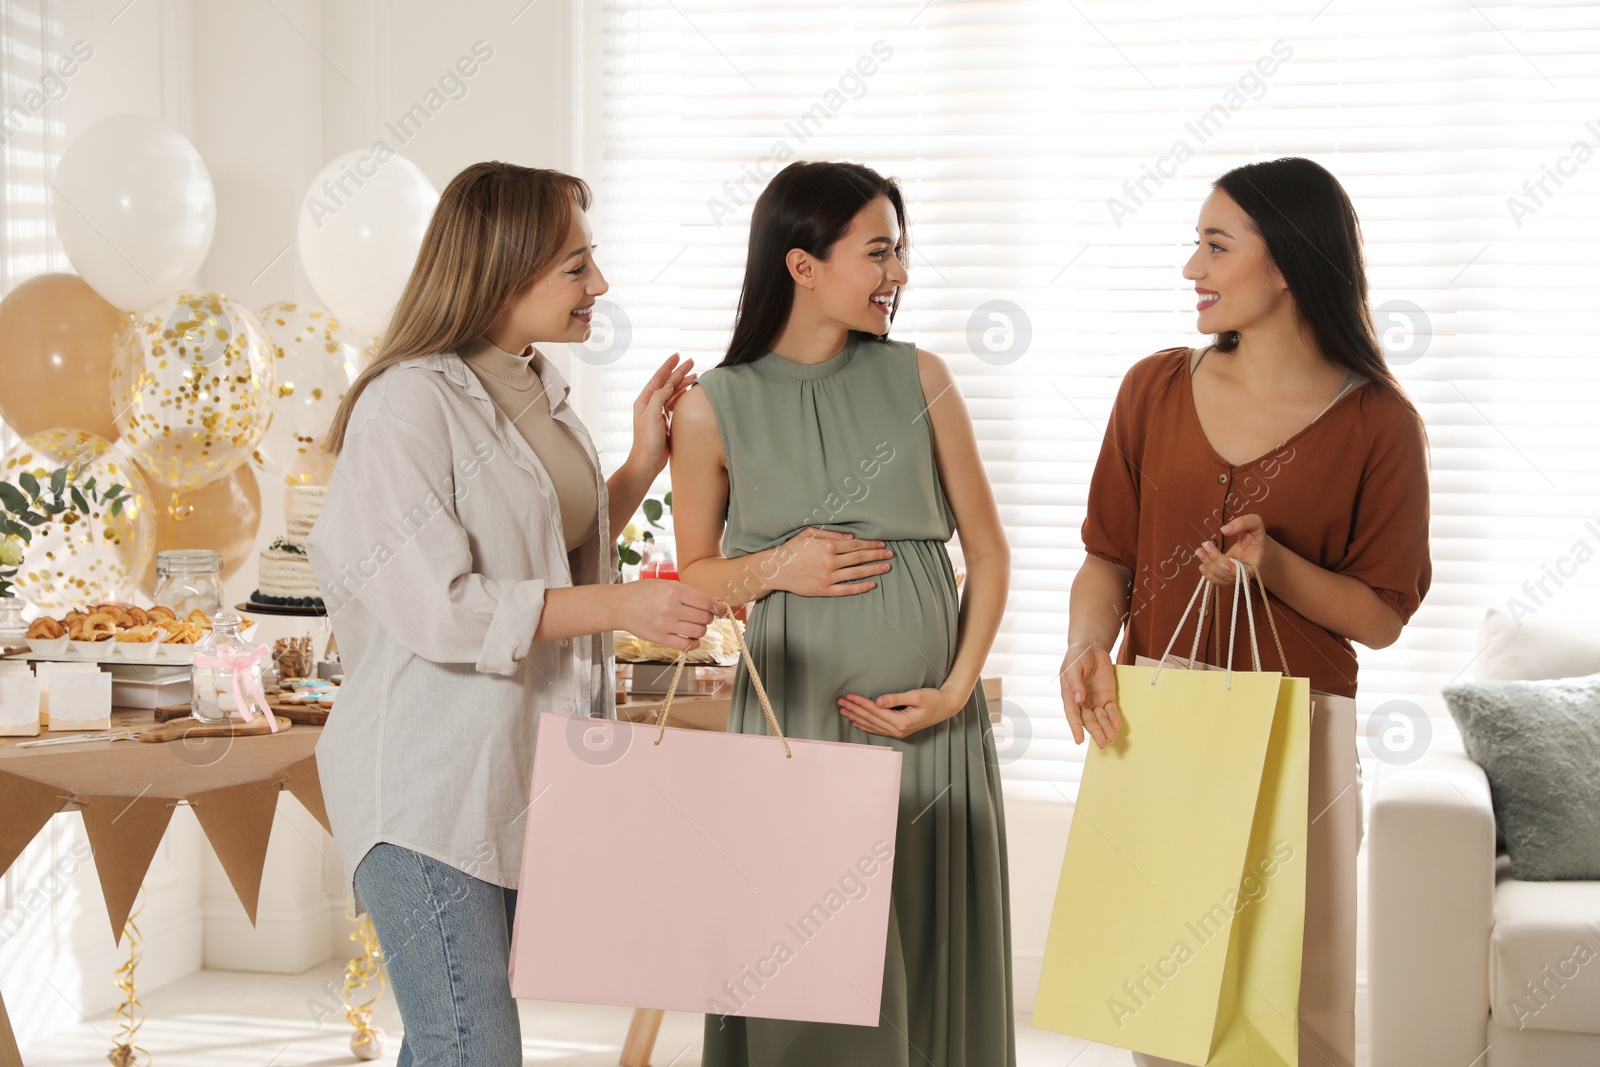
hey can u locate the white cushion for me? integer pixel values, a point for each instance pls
(1538, 647)
(1546, 934)
(1510, 1047)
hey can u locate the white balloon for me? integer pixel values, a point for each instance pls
(134, 209)
(360, 228)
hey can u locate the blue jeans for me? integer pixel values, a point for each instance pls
(446, 939)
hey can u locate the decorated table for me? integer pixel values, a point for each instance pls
(127, 791)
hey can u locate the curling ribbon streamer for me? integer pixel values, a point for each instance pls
(358, 973)
(130, 1012)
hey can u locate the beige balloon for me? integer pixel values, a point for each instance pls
(57, 336)
(223, 516)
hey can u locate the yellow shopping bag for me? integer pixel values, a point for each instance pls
(1180, 912)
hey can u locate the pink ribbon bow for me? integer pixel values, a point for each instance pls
(239, 662)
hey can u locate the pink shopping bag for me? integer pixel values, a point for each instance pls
(730, 874)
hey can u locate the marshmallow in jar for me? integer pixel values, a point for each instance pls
(227, 671)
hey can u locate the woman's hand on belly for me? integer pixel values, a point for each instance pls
(817, 562)
(900, 715)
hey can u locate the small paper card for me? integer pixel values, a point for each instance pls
(19, 700)
(49, 669)
(77, 699)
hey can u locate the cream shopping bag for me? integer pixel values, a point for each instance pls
(1178, 921)
(1327, 1009)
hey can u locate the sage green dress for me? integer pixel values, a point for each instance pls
(845, 445)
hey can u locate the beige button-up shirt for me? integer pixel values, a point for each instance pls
(440, 534)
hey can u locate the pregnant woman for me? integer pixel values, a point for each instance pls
(466, 557)
(1287, 445)
(841, 462)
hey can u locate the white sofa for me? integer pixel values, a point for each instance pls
(1467, 966)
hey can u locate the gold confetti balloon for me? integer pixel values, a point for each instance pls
(193, 384)
(316, 358)
(78, 559)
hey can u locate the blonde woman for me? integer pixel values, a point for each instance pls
(466, 557)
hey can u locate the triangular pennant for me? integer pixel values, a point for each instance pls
(10, 1056)
(237, 821)
(303, 782)
(28, 805)
(124, 835)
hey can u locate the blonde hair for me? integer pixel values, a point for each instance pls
(497, 228)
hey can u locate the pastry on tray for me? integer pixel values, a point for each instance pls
(123, 623)
(719, 646)
(44, 628)
(99, 626)
(180, 633)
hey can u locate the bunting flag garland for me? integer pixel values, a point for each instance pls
(124, 835)
(237, 820)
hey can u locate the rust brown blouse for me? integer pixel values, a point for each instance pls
(1349, 493)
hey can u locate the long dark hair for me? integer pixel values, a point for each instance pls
(1312, 234)
(807, 206)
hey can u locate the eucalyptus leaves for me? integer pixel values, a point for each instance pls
(29, 503)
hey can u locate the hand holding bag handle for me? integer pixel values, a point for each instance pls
(1243, 573)
(755, 679)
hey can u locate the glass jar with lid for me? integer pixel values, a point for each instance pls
(658, 561)
(227, 674)
(12, 629)
(189, 578)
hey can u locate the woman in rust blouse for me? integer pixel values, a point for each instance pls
(1287, 443)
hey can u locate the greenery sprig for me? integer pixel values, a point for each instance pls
(29, 503)
(632, 535)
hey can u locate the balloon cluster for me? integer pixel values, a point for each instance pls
(180, 393)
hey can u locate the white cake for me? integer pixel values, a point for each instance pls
(286, 577)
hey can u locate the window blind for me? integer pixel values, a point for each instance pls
(30, 146)
(1054, 157)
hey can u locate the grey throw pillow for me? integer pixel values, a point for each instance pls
(1539, 744)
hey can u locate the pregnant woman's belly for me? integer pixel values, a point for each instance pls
(811, 650)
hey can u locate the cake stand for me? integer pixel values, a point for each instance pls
(252, 608)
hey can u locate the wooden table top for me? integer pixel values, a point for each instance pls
(172, 768)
